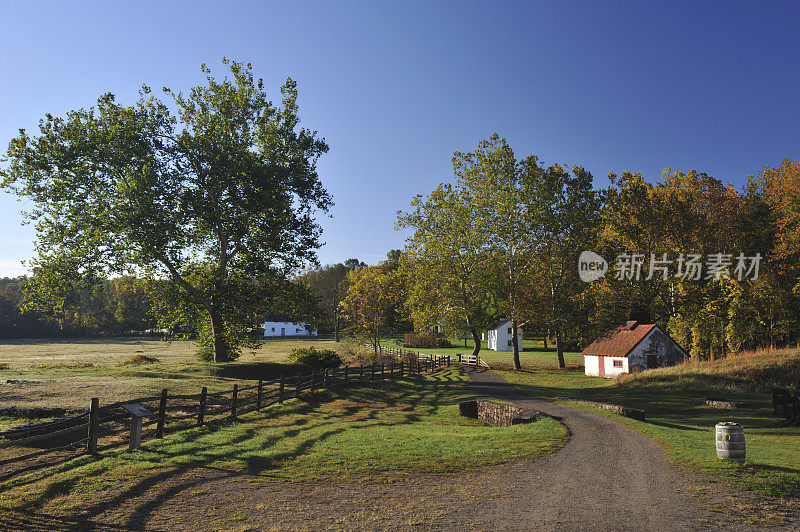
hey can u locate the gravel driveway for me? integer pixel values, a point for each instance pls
(605, 477)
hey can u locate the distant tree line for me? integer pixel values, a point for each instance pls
(112, 306)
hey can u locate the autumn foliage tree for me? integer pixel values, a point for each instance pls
(370, 304)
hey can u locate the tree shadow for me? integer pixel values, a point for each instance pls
(304, 422)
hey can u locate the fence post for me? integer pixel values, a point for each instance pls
(372, 372)
(361, 372)
(391, 371)
(313, 379)
(297, 388)
(94, 425)
(162, 413)
(234, 400)
(382, 372)
(260, 394)
(346, 374)
(282, 388)
(201, 413)
(402, 363)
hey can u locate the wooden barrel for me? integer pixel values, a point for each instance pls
(730, 441)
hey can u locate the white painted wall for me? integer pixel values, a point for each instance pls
(273, 328)
(500, 338)
(592, 366)
(611, 371)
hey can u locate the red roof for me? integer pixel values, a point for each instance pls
(620, 341)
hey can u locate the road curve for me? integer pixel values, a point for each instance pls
(606, 477)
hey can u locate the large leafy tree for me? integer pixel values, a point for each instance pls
(447, 264)
(496, 182)
(216, 188)
(564, 211)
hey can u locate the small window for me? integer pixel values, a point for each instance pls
(617, 363)
(509, 343)
(273, 329)
(509, 330)
(297, 330)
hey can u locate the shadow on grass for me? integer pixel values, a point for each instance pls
(225, 449)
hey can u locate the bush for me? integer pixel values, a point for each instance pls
(427, 340)
(315, 358)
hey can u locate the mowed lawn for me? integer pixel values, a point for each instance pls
(677, 419)
(533, 354)
(412, 426)
(68, 373)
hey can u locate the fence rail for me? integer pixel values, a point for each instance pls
(472, 360)
(109, 426)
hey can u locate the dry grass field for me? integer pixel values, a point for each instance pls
(68, 373)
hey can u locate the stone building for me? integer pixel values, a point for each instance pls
(630, 348)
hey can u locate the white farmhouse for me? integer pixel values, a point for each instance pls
(630, 348)
(281, 326)
(500, 337)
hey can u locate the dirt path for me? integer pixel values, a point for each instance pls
(606, 476)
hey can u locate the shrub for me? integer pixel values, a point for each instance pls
(138, 360)
(425, 340)
(315, 358)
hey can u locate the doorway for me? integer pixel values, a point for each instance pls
(652, 361)
(283, 331)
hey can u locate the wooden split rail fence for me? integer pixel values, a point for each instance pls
(31, 447)
(471, 360)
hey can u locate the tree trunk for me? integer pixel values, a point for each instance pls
(515, 345)
(546, 334)
(217, 335)
(336, 326)
(477, 339)
(560, 349)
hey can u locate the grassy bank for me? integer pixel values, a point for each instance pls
(372, 432)
(676, 418)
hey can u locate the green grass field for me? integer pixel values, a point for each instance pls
(678, 421)
(533, 354)
(379, 431)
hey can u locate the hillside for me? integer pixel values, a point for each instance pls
(751, 371)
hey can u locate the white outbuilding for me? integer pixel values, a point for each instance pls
(501, 335)
(283, 326)
(630, 348)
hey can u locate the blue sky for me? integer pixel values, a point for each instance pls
(396, 87)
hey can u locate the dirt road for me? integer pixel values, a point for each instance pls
(605, 477)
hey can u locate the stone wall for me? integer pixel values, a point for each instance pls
(497, 414)
(656, 343)
(635, 413)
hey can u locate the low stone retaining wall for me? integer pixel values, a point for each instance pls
(497, 414)
(722, 403)
(634, 413)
